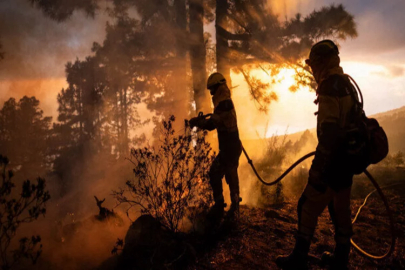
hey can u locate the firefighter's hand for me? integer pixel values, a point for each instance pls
(193, 122)
(317, 179)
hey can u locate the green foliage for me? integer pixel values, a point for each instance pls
(15, 210)
(170, 179)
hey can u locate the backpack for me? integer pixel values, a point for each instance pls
(366, 142)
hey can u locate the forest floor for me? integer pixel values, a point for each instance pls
(262, 234)
(253, 242)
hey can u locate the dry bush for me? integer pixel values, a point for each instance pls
(275, 154)
(171, 179)
(280, 153)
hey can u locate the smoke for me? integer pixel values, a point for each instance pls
(271, 157)
(43, 89)
(291, 114)
(72, 236)
(36, 49)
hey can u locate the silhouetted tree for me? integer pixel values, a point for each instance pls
(24, 136)
(162, 30)
(198, 54)
(123, 73)
(16, 209)
(83, 129)
(61, 10)
(80, 105)
(248, 36)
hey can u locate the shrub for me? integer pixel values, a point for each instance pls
(279, 152)
(394, 160)
(169, 179)
(275, 154)
(15, 210)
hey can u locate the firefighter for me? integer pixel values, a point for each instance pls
(230, 147)
(330, 179)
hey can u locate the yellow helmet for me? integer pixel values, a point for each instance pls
(214, 79)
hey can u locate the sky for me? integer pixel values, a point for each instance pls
(375, 59)
(37, 49)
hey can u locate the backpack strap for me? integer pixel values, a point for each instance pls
(356, 88)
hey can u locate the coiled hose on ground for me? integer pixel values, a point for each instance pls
(377, 188)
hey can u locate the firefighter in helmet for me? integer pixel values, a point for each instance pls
(330, 178)
(230, 147)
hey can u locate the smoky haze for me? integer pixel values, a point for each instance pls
(35, 46)
(36, 49)
(123, 87)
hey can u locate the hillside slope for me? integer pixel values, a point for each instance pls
(392, 121)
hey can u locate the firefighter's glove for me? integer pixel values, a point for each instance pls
(194, 122)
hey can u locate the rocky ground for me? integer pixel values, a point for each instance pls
(264, 233)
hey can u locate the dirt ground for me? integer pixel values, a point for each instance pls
(264, 233)
(260, 235)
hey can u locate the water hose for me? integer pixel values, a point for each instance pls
(377, 188)
(370, 177)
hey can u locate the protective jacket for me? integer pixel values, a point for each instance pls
(230, 147)
(224, 120)
(336, 112)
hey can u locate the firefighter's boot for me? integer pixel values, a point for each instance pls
(339, 259)
(298, 259)
(233, 211)
(216, 212)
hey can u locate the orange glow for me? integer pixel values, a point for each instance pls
(292, 112)
(45, 90)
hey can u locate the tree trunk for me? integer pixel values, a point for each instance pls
(197, 55)
(80, 112)
(222, 43)
(181, 92)
(117, 117)
(125, 122)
